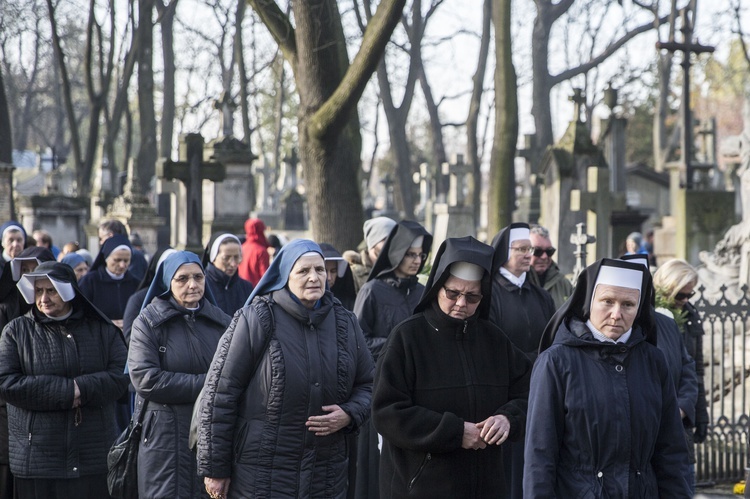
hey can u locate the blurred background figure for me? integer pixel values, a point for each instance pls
(274, 246)
(61, 370)
(675, 282)
(255, 256)
(44, 239)
(67, 248)
(139, 259)
(339, 276)
(389, 296)
(544, 272)
(109, 228)
(376, 231)
(221, 259)
(171, 346)
(77, 263)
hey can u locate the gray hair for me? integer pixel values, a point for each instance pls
(540, 231)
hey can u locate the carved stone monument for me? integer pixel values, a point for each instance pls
(7, 207)
(227, 204)
(456, 217)
(191, 171)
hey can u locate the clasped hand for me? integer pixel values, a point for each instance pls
(492, 431)
(327, 424)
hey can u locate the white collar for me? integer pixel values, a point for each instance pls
(115, 277)
(599, 336)
(518, 281)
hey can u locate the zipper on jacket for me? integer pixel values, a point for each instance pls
(416, 476)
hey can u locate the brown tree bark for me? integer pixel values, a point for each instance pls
(147, 154)
(6, 130)
(329, 89)
(166, 21)
(502, 177)
(475, 104)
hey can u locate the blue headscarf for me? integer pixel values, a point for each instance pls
(277, 274)
(161, 285)
(108, 247)
(73, 259)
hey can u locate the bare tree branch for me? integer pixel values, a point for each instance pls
(279, 25)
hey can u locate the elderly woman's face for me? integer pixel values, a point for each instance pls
(118, 261)
(228, 258)
(613, 309)
(188, 285)
(81, 270)
(13, 242)
(307, 281)
(332, 272)
(455, 296)
(47, 300)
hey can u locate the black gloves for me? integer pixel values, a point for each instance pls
(701, 431)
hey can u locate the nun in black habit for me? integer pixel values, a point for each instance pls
(521, 309)
(450, 387)
(603, 419)
(340, 277)
(222, 259)
(387, 298)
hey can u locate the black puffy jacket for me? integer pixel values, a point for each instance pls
(252, 423)
(39, 360)
(171, 381)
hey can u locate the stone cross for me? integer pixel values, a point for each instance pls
(388, 187)
(227, 106)
(425, 189)
(688, 48)
(580, 239)
(288, 177)
(458, 171)
(579, 99)
(598, 202)
(191, 170)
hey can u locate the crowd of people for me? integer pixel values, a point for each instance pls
(263, 369)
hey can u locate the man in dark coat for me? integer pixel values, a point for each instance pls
(544, 272)
(61, 370)
(450, 387)
(603, 419)
(387, 298)
(522, 310)
(221, 259)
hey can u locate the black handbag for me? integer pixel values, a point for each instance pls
(122, 460)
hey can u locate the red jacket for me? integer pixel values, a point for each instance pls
(255, 258)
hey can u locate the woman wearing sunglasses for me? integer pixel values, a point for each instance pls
(675, 282)
(450, 389)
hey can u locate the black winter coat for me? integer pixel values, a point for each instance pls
(381, 304)
(107, 294)
(253, 423)
(230, 292)
(522, 313)
(170, 382)
(132, 310)
(603, 421)
(436, 373)
(693, 336)
(39, 360)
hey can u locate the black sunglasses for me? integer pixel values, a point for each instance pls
(453, 295)
(540, 251)
(684, 296)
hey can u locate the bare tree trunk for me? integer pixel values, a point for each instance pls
(475, 105)
(146, 161)
(436, 133)
(279, 111)
(166, 18)
(664, 74)
(28, 101)
(75, 138)
(6, 130)
(329, 89)
(242, 72)
(502, 178)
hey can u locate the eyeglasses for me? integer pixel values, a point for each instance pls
(684, 296)
(183, 279)
(415, 256)
(538, 252)
(524, 250)
(454, 295)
